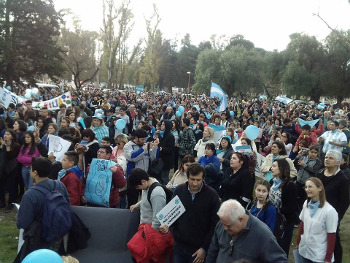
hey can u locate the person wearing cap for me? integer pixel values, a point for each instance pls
(98, 126)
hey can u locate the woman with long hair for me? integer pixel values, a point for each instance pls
(29, 117)
(9, 149)
(262, 208)
(72, 118)
(40, 125)
(27, 152)
(180, 175)
(88, 146)
(20, 127)
(64, 123)
(283, 197)
(3, 127)
(318, 224)
(237, 182)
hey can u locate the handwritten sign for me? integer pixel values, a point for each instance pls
(171, 212)
(5, 97)
(99, 182)
(259, 161)
(58, 147)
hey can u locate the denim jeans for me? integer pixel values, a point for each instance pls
(181, 255)
(27, 180)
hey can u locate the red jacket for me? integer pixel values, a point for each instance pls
(118, 181)
(74, 187)
(149, 245)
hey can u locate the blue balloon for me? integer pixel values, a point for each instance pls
(8, 88)
(178, 114)
(252, 132)
(43, 256)
(30, 128)
(120, 124)
(181, 109)
(232, 113)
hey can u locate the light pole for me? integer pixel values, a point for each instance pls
(189, 81)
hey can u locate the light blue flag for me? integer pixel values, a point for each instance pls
(216, 91)
(99, 182)
(139, 89)
(217, 131)
(311, 123)
(284, 100)
(321, 106)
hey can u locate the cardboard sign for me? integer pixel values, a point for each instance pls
(171, 212)
(259, 161)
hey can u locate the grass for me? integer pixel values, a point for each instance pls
(8, 236)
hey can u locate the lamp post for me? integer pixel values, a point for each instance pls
(189, 81)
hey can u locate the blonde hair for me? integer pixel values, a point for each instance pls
(211, 132)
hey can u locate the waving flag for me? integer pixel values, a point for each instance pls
(311, 123)
(216, 91)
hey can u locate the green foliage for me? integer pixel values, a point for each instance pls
(29, 31)
(306, 72)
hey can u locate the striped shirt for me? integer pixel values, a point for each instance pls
(335, 136)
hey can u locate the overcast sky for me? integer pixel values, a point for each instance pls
(267, 24)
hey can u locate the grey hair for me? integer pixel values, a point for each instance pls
(231, 209)
(336, 154)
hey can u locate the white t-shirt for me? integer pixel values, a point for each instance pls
(313, 243)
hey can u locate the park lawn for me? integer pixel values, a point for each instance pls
(8, 236)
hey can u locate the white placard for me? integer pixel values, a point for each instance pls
(259, 161)
(171, 212)
(58, 147)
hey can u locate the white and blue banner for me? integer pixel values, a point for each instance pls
(99, 182)
(311, 123)
(284, 100)
(218, 129)
(321, 106)
(216, 91)
(5, 97)
(139, 89)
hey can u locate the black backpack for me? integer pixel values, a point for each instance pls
(56, 220)
(168, 192)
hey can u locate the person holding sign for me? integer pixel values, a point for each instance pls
(118, 180)
(192, 232)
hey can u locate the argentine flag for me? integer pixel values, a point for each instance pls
(216, 91)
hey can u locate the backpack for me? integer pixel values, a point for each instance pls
(168, 192)
(56, 219)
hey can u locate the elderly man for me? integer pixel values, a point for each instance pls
(241, 236)
(168, 114)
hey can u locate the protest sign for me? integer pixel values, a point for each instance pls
(5, 97)
(171, 212)
(58, 146)
(99, 182)
(259, 161)
(243, 148)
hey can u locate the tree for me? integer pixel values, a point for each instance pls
(187, 59)
(117, 25)
(150, 63)
(29, 31)
(338, 57)
(79, 53)
(306, 72)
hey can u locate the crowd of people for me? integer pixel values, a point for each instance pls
(185, 144)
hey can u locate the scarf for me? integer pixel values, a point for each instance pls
(75, 169)
(313, 206)
(276, 183)
(205, 139)
(161, 134)
(220, 151)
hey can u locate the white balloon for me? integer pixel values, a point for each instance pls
(28, 91)
(28, 94)
(35, 91)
